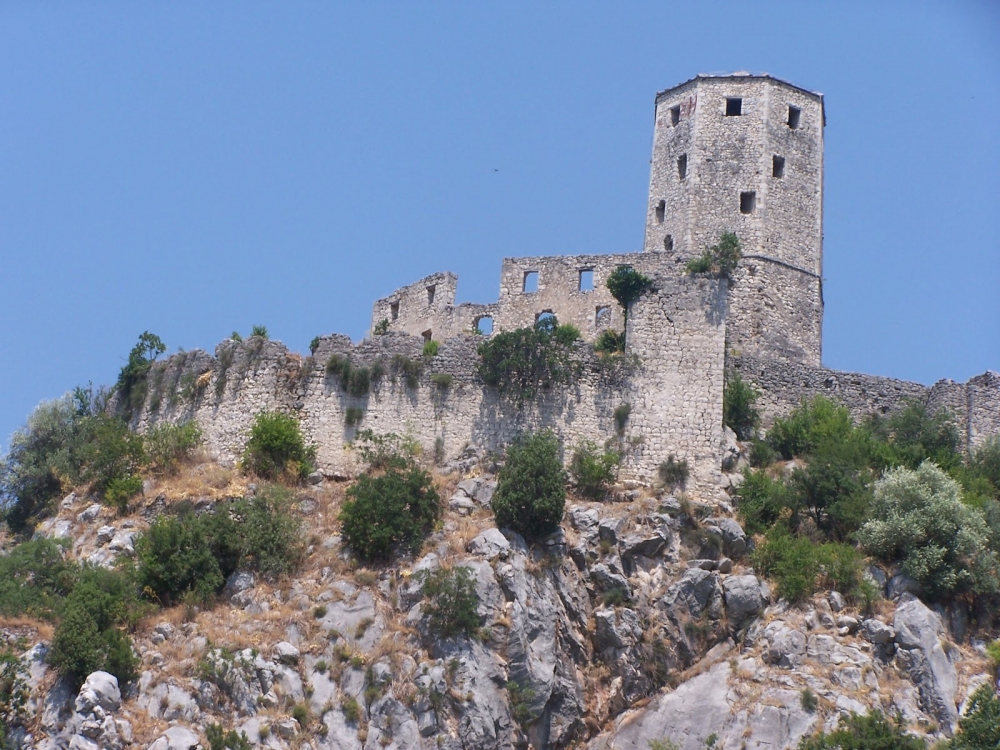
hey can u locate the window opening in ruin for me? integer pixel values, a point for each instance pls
(602, 316)
(668, 243)
(545, 315)
(675, 115)
(778, 166)
(484, 325)
(530, 281)
(586, 280)
(661, 210)
(748, 201)
(734, 106)
(682, 166)
(430, 294)
(427, 335)
(394, 310)
(794, 114)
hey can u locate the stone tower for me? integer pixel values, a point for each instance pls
(743, 153)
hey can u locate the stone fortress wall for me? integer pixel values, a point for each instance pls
(730, 153)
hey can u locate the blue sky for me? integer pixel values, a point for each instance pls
(195, 168)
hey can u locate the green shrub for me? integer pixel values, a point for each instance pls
(219, 739)
(397, 508)
(431, 348)
(762, 499)
(738, 412)
(520, 702)
(355, 380)
(610, 342)
(383, 452)
(122, 489)
(519, 363)
(615, 596)
(235, 336)
(301, 714)
(593, 470)
(30, 472)
(353, 415)
(131, 385)
(349, 705)
(913, 435)
(175, 558)
(531, 486)
(276, 448)
(800, 566)
(314, 344)
(381, 328)
(673, 473)
(979, 728)
(814, 422)
(626, 285)
(808, 700)
(566, 334)
(167, 445)
(14, 694)
(919, 519)
(832, 489)
(872, 731)
(260, 331)
(984, 464)
(89, 636)
(721, 259)
(35, 579)
(110, 455)
(410, 369)
(621, 414)
(451, 602)
(442, 380)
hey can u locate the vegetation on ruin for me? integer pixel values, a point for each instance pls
(610, 342)
(381, 328)
(431, 348)
(593, 470)
(673, 474)
(739, 411)
(131, 386)
(276, 449)
(522, 362)
(260, 332)
(720, 259)
(531, 486)
(626, 285)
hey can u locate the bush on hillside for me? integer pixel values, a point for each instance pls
(816, 422)
(35, 579)
(593, 470)
(168, 445)
(175, 559)
(610, 342)
(521, 362)
(918, 518)
(90, 635)
(832, 489)
(391, 510)
(801, 567)
(979, 728)
(111, 457)
(872, 731)
(276, 449)
(673, 473)
(738, 407)
(531, 486)
(14, 694)
(913, 435)
(131, 385)
(451, 602)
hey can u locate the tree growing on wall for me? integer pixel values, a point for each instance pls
(720, 259)
(625, 285)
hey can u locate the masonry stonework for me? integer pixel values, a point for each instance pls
(734, 153)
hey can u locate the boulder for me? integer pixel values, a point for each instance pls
(786, 646)
(609, 529)
(286, 653)
(99, 689)
(877, 632)
(734, 538)
(461, 504)
(745, 598)
(921, 654)
(177, 738)
(490, 544)
(606, 579)
(89, 514)
(697, 592)
(901, 584)
(617, 629)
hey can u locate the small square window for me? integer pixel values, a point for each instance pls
(530, 281)
(734, 106)
(668, 243)
(661, 210)
(430, 294)
(394, 310)
(748, 202)
(682, 166)
(794, 116)
(675, 115)
(586, 280)
(778, 166)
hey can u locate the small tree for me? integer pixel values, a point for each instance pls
(626, 285)
(738, 407)
(531, 486)
(918, 517)
(276, 447)
(131, 384)
(593, 470)
(979, 728)
(452, 602)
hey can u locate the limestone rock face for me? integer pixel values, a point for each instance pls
(920, 653)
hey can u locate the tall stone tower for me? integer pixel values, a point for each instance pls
(743, 153)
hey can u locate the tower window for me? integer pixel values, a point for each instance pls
(794, 115)
(668, 243)
(682, 166)
(734, 106)
(484, 325)
(394, 310)
(778, 166)
(675, 115)
(530, 281)
(661, 209)
(748, 201)
(586, 280)
(430, 294)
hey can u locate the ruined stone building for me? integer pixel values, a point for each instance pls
(734, 153)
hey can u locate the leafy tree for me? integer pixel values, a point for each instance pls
(519, 363)
(131, 385)
(833, 488)
(918, 518)
(979, 728)
(175, 558)
(914, 435)
(872, 731)
(801, 567)
(276, 448)
(820, 421)
(35, 579)
(395, 509)
(167, 445)
(531, 486)
(626, 285)
(451, 602)
(738, 412)
(111, 457)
